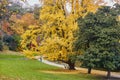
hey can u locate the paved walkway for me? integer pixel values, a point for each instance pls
(83, 70)
(52, 63)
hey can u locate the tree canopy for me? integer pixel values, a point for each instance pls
(55, 36)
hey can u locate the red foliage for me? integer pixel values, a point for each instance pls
(6, 28)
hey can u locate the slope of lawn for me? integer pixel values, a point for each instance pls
(15, 67)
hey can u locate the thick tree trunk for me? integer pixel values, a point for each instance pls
(108, 74)
(89, 70)
(71, 65)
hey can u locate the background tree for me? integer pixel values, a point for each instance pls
(5, 13)
(3, 9)
(3, 19)
(16, 8)
(99, 36)
(20, 23)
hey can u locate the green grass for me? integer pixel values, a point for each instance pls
(19, 68)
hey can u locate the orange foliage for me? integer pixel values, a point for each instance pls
(21, 22)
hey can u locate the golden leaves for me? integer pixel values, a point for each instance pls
(57, 28)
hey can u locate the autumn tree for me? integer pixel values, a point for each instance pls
(20, 23)
(99, 36)
(3, 12)
(3, 9)
(3, 18)
(6, 10)
(56, 32)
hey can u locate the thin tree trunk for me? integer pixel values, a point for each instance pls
(89, 70)
(108, 74)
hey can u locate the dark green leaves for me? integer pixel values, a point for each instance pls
(99, 36)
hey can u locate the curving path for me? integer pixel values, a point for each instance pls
(83, 70)
(52, 63)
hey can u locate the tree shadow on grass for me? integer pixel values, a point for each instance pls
(105, 78)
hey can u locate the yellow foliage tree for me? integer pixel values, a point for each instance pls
(57, 31)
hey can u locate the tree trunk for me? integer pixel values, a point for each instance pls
(89, 70)
(71, 65)
(108, 74)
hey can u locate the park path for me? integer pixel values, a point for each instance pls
(83, 70)
(51, 63)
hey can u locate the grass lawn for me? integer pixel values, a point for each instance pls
(14, 67)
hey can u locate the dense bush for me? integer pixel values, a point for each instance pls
(1, 45)
(12, 42)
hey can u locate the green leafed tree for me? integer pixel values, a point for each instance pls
(99, 39)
